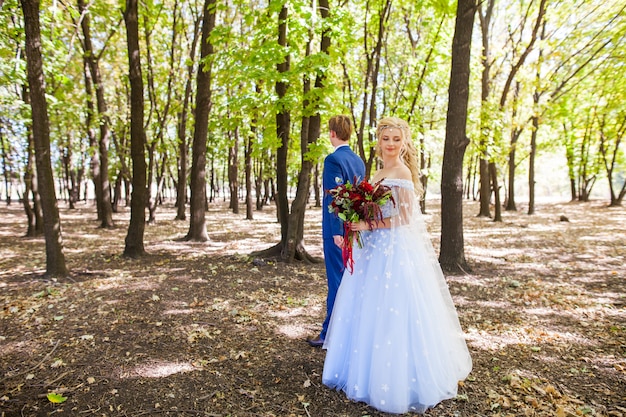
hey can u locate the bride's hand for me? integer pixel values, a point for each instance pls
(358, 226)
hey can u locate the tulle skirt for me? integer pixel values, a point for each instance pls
(394, 339)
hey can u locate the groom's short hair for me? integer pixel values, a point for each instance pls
(341, 125)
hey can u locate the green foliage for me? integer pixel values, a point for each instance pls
(581, 44)
(56, 398)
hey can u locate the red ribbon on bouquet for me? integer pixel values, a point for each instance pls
(346, 249)
(348, 244)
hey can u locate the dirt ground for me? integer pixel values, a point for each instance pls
(204, 330)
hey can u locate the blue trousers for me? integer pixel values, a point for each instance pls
(334, 271)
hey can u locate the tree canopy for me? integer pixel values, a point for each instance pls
(546, 96)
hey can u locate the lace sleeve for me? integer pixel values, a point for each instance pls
(398, 214)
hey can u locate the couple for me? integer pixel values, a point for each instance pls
(391, 332)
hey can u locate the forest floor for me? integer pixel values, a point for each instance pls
(204, 330)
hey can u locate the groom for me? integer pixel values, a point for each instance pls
(339, 167)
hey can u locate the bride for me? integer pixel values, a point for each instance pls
(394, 340)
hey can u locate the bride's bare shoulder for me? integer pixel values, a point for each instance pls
(401, 172)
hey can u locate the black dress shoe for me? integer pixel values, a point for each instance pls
(317, 342)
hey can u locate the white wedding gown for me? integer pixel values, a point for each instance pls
(394, 339)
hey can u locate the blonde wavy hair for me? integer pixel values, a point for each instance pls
(408, 152)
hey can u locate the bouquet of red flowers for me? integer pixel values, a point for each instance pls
(355, 202)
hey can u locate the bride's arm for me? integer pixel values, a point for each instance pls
(398, 215)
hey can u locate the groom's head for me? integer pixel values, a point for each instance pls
(342, 126)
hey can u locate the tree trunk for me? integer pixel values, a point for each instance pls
(309, 135)
(535, 121)
(161, 178)
(466, 183)
(368, 105)
(291, 246)
(570, 159)
(117, 193)
(452, 252)
(317, 186)
(531, 166)
(69, 173)
(283, 122)
(155, 178)
(33, 214)
(30, 213)
(425, 165)
(212, 181)
(93, 143)
(493, 173)
(124, 174)
(103, 202)
(134, 239)
(587, 167)
(510, 200)
(158, 171)
(258, 184)
(248, 171)
(610, 158)
(6, 168)
(515, 134)
(181, 183)
(485, 188)
(233, 171)
(183, 143)
(197, 224)
(485, 131)
(151, 192)
(55, 259)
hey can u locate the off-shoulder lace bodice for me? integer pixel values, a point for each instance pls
(398, 182)
(398, 211)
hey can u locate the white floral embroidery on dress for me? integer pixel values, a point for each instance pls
(413, 321)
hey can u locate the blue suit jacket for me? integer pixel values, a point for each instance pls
(340, 166)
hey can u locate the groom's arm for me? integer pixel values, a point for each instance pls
(332, 177)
